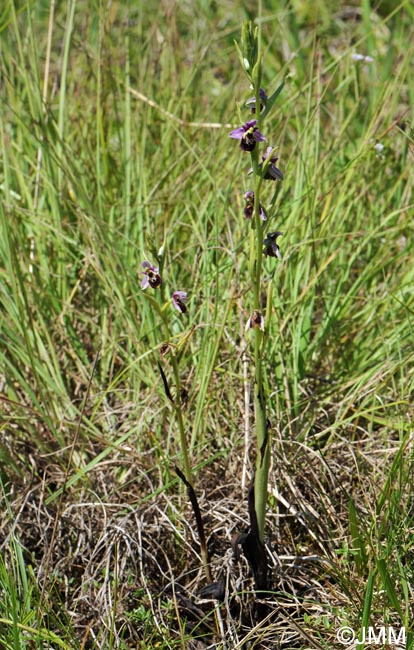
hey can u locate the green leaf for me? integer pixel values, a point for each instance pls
(272, 99)
(357, 539)
(389, 587)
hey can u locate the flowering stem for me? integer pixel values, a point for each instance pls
(250, 137)
(263, 452)
(178, 405)
(180, 420)
(187, 477)
(153, 279)
(263, 447)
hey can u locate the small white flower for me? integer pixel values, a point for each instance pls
(361, 57)
(379, 147)
(246, 64)
(402, 242)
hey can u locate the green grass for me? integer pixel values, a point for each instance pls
(94, 179)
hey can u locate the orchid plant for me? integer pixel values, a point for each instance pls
(262, 243)
(151, 279)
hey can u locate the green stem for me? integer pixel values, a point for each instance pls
(184, 449)
(177, 399)
(262, 442)
(180, 420)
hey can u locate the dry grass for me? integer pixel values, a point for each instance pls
(119, 563)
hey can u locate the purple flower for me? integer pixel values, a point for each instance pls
(151, 277)
(270, 248)
(178, 299)
(271, 173)
(249, 208)
(251, 102)
(256, 320)
(248, 135)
